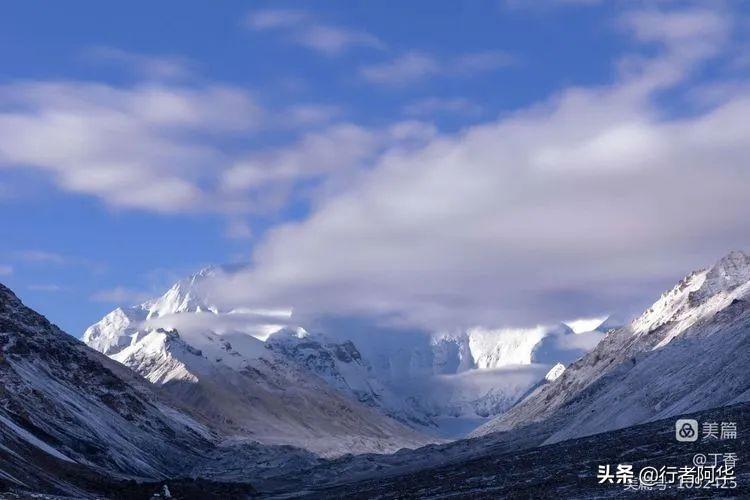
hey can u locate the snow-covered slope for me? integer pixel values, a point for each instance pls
(339, 363)
(62, 404)
(456, 380)
(482, 348)
(344, 368)
(423, 380)
(123, 326)
(124, 322)
(688, 352)
(428, 393)
(279, 393)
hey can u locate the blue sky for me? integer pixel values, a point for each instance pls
(145, 140)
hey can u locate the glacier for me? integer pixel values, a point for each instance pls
(437, 384)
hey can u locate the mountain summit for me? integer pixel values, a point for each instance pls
(216, 362)
(688, 352)
(68, 412)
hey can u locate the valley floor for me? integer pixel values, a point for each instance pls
(567, 469)
(507, 469)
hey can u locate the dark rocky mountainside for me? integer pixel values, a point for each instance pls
(563, 470)
(69, 414)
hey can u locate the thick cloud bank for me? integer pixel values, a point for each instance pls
(589, 202)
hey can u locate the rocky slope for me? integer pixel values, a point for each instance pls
(343, 367)
(688, 352)
(445, 383)
(214, 362)
(65, 408)
(459, 379)
(562, 470)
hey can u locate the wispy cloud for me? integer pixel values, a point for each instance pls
(574, 205)
(307, 114)
(403, 70)
(304, 29)
(38, 257)
(414, 67)
(702, 27)
(438, 105)
(82, 134)
(275, 19)
(46, 287)
(270, 176)
(121, 295)
(479, 62)
(582, 325)
(6, 270)
(334, 153)
(149, 66)
(547, 4)
(237, 229)
(41, 256)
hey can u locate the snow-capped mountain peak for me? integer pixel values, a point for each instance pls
(729, 273)
(699, 295)
(293, 332)
(484, 348)
(686, 353)
(184, 339)
(78, 406)
(184, 296)
(217, 362)
(115, 331)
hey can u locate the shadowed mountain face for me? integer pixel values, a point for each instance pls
(568, 469)
(255, 373)
(214, 361)
(74, 422)
(68, 411)
(688, 352)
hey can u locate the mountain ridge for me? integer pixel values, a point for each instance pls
(669, 360)
(64, 400)
(435, 383)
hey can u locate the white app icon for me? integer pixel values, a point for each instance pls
(686, 430)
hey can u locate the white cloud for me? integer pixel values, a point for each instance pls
(583, 325)
(587, 202)
(315, 153)
(333, 155)
(416, 66)
(47, 288)
(697, 26)
(333, 40)
(544, 4)
(156, 67)
(405, 69)
(275, 18)
(154, 147)
(143, 147)
(308, 114)
(686, 39)
(303, 28)
(121, 295)
(238, 230)
(479, 62)
(46, 258)
(6, 270)
(436, 105)
(259, 324)
(41, 256)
